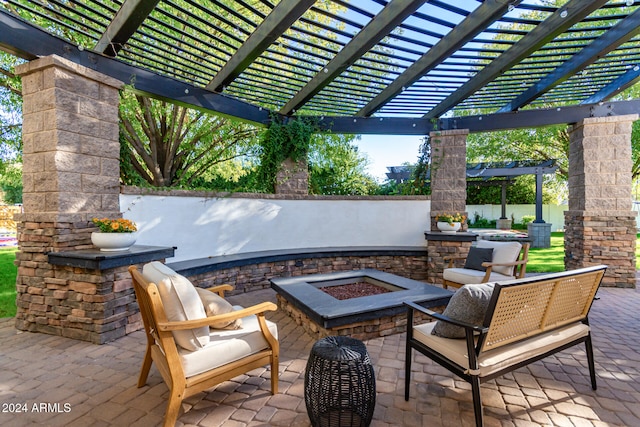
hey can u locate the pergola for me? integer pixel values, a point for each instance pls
(365, 66)
(483, 173)
(436, 68)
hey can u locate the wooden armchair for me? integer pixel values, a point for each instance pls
(488, 261)
(213, 355)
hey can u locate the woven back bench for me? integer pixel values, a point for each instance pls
(526, 320)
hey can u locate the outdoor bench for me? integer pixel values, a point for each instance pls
(525, 320)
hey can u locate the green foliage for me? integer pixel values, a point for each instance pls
(10, 112)
(526, 219)
(284, 138)
(478, 221)
(337, 167)
(11, 182)
(422, 171)
(8, 273)
(520, 191)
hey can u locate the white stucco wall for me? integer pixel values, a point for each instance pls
(201, 227)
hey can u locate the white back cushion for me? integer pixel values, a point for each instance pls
(503, 252)
(181, 302)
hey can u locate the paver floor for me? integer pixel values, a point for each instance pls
(55, 381)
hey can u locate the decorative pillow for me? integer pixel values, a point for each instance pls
(214, 304)
(503, 252)
(181, 302)
(469, 304)
(477, 256)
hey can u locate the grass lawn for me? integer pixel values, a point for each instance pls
(8, 273)
(548, 260)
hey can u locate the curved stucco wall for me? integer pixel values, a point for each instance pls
(200, 227)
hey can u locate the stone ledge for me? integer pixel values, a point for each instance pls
(94, 259)
(461, 236)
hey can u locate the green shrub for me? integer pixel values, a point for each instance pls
(526, 219)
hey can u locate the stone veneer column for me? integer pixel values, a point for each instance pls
(448, 194)
(448, 172)
(71, 173)
(293, 178)
(600, 226)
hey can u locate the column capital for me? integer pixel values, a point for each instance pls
(62, 63)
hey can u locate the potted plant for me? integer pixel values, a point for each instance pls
(450, 222)
(117, 234)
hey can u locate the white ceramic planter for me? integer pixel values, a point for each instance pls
(447, 228)
(113, 241)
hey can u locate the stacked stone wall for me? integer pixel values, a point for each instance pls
(365, 330)
(254, 277)
(602, 239)
(438, 250)
(90, 305)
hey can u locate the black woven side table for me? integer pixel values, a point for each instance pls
(339, 383)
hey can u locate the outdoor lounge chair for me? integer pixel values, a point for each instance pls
(488, 261)
(190, 354)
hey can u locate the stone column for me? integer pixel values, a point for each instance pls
(293, 178)
(600, 223)
(71, 168)
(448, 194)
(448, 172)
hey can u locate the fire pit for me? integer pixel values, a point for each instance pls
(361, 317)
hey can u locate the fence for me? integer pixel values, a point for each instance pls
(553, 214)
(7, 224)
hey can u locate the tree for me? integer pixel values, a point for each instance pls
(10, 130)
(10, 109)
(168, 145)
(337, 167)
(547, 143)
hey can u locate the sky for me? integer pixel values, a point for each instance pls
(388, 150)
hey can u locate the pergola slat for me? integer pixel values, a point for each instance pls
(477, 21)
(126, 22)
(389, 18)
(546, 31)
(274, 25)
(621, 33)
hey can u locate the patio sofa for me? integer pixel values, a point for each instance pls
(490, 329)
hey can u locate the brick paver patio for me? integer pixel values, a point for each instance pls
(57, 381)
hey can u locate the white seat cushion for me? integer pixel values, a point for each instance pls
(503, 252)
(181, 302)
(468, 277)
(502, 357)
(225, 346)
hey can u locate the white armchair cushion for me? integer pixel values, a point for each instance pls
(503, 252)
(225, 346)
(467, 276)
(181, 302)
(214, 304)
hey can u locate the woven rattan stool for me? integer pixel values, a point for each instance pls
(339, 383)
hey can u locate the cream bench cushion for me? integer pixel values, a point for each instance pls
(495, 360)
